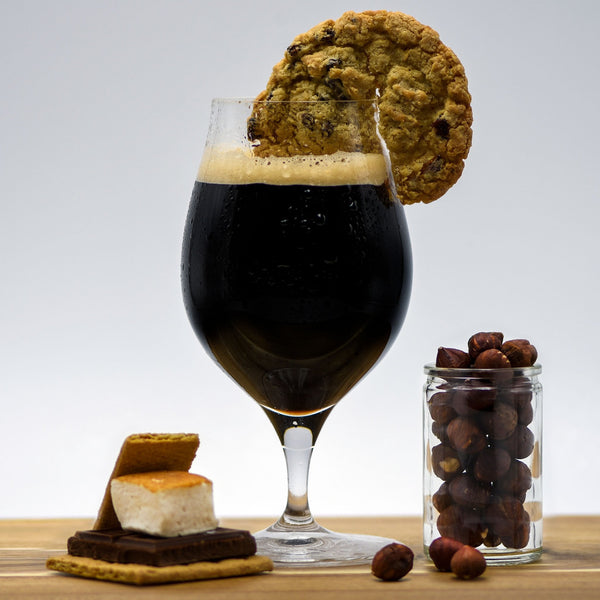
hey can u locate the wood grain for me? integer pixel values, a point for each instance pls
(570, 566)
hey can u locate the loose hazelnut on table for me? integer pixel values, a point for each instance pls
(468, 563)
(441, 551)
(392, 562)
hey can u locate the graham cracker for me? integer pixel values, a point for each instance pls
(143, 452)
(145, 575)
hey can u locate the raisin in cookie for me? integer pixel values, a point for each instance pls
(417, 84)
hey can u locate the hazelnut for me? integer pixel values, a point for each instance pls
(452, 358)
(519, 393)
(491, 359)
(465, 435)
(499, 423)
(520, 443)
(441, 551)
(491, 464)
(392, 562)
(440, 407)
(472, 396)
(439, 431)
(509, 520)
(442, 498)
(468, 563)
(462, 524)
(445, 462)
(520, 353)
(517, 480)
(465, 491)
(520, 536)
(490, 539)
(519, 397)
(525, 413)
(484, 340)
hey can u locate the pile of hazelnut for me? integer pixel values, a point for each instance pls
(463, 560)
(395, 560)
(481, 423)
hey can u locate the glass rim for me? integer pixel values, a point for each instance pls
(471, 372)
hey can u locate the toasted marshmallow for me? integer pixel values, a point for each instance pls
(164, 503)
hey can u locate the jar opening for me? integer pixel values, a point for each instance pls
(445, 373)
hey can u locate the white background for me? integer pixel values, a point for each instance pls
(104, 110)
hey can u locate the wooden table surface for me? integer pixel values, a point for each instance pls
(570, 567)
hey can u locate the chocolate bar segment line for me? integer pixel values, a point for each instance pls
(121, 546)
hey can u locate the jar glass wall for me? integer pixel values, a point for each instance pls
(482, 460)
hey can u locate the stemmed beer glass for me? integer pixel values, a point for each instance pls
(296, 275)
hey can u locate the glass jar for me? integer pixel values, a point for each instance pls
(482, 475)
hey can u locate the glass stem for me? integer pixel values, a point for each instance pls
(298, 445)
(297, 435)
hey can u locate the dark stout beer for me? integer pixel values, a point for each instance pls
(296, 290)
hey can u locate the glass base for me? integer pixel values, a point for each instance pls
(511, 557)
(501, 557)
(315, 546)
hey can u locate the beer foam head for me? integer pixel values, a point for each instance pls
(236, 166)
